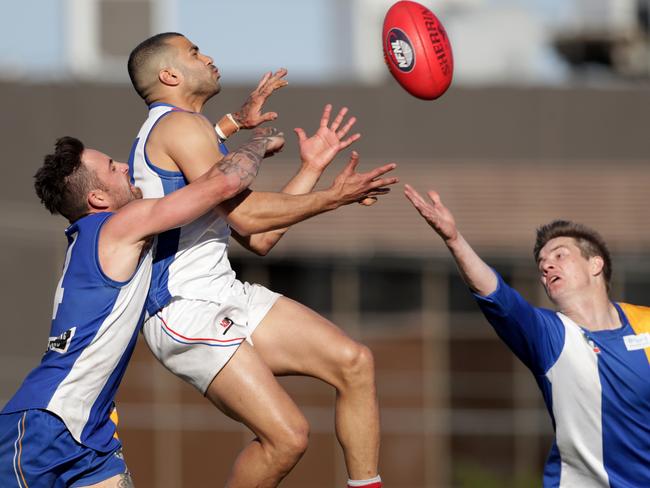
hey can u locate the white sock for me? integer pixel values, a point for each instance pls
(376, 479)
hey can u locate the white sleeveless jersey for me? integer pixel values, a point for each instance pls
(189, 262)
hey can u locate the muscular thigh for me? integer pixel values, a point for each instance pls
(246, 390)
(293, 339)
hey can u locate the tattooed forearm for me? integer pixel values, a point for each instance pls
(245, 162)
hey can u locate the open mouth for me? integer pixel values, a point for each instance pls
(552, 280)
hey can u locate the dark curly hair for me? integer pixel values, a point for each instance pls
(588, 241)
(63, 182)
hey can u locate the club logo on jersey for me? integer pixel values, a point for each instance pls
(594, 347)
(61, 343)
(591, 343)
(226, 323)
(400, 50)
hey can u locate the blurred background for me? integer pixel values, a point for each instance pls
(547, 117)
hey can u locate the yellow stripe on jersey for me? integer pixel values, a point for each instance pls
(116, 420)
(639, 318)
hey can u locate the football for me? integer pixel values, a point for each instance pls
(417, 50)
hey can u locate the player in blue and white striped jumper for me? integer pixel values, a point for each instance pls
(59, 429)
(590, 356)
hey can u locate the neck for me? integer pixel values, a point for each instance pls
(593, 311)
(193, 103)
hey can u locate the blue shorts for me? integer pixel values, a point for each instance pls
(37, 451)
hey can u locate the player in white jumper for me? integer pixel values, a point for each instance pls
(58, 430)
(195, 294)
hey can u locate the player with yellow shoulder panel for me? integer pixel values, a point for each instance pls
(590, 356)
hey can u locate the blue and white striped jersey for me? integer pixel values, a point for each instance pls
(95, 324)
(191, 261)
(596, 386)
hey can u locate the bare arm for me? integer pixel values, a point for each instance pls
(124, 235)
(255, 212)
(474, 271)
(316, 153)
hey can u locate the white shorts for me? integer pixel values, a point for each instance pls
(194, 339)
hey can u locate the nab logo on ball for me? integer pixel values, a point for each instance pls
(401, 50)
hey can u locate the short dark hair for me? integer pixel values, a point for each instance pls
(142, 54)
(63, 182)
(588, 241)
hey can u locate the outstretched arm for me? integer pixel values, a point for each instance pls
(316, 153)
(123, 236)
(250, 114)
(255, 212)
(476, 273)
(224, 179)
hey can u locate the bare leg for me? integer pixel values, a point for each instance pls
(246, 390)
(292, 339)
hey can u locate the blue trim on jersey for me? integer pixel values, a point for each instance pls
(132, 160)
(166, 249)
(163, 173)
(233, 344)
(552, 468)
(161, 104)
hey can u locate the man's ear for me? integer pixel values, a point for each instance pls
(596, 265)
(170, 76)
(98, 200)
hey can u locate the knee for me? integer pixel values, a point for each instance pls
(357, 365)
(290, 442)
(298, 438)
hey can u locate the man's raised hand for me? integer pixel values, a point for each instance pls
(319, 150)
(434, 212)
(350, 186)
(250, 114)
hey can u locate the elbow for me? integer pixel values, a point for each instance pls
(231, 187)
(258, 251)
(242, 226)
(262, 250)
(260, 246)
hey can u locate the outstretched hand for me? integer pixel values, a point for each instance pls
(319, 150)
(250, 114)
(434, 212)
(350, 186)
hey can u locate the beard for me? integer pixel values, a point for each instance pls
(203, 83)
(136, 193)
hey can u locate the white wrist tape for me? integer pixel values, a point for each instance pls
(219, 132)
(232, 119)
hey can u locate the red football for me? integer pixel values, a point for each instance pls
(417, 50)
